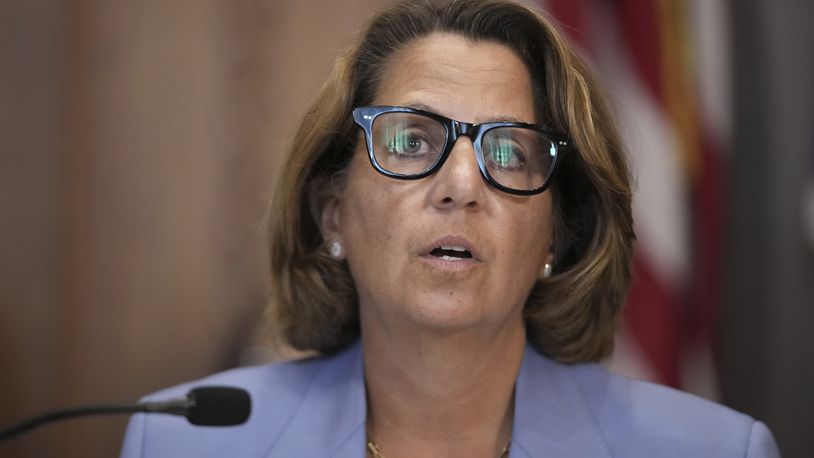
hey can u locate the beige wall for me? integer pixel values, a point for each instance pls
(139, 145)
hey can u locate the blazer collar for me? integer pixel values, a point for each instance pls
(330, 420)
(551, 417)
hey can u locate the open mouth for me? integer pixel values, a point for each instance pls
(451, 253)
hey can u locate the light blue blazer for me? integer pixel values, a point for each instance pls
(316, 408)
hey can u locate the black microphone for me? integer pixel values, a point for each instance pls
(203, 406)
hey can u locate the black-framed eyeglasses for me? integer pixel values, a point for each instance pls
(409, 144)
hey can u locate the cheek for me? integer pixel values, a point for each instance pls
(371, 218)
(366, 212)
(529, 232)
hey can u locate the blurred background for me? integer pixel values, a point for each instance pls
(139, 143)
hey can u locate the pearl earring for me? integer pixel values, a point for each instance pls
(547, 270)
(336, 249)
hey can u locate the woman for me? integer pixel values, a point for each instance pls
(453, 235)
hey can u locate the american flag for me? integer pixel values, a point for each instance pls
(665, 65)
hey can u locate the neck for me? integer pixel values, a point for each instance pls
(431, 394)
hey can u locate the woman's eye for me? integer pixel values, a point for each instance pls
(406, 143)
(506, 156)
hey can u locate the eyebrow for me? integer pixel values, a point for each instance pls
(498, 118)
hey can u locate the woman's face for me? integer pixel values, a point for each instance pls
(393, 230)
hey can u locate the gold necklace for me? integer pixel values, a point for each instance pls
(373, 448)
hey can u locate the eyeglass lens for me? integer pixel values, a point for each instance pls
(410, 144)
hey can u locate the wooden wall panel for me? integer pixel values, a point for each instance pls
(139, 145)
(29, 142)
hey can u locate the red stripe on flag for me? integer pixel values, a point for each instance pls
(571, 15)
(707, 211)
(639, 27)
(653, 316)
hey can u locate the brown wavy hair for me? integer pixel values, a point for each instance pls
(570, 316)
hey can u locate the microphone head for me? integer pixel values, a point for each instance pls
(218, 406)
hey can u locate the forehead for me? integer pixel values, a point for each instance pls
(459, 78)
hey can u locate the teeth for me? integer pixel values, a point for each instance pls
(453, 248)
(450, 258)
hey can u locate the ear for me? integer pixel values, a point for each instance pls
(329, 221)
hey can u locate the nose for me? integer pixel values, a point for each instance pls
(458, 184)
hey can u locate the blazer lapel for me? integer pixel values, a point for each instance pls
(551, 418)
(330, 421)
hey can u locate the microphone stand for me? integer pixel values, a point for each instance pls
(175, 407)
(203, 406)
